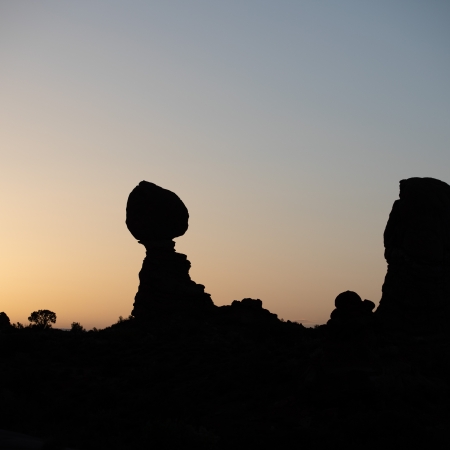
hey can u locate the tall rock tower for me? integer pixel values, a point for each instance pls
(416, 290)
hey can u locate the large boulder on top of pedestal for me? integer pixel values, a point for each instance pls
(155, 213)
(416, 290)
(155, 216)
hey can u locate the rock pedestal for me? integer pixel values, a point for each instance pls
(155, 216)
(416, 290)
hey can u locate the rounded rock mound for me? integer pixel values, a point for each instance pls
(155, 213)
(347, 300)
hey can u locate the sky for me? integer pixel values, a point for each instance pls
(284, 126)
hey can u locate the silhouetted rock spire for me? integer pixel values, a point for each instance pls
(155, 216)
(416, 290)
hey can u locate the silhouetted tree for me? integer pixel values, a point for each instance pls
(76, 327)
(42, 319)
(4, 320)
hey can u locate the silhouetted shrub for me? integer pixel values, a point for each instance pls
(76, 327)
(121, 319)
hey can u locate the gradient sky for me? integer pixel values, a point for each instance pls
(284, 126)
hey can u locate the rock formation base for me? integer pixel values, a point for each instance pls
(165, 285)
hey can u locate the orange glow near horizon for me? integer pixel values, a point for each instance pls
(285, 130)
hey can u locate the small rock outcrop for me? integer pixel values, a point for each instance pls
(248, 311)
(348, 352)
(352, 316)
(416, 290)
(155, 216)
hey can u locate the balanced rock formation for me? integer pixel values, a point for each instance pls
(416, 290)
(155, 216)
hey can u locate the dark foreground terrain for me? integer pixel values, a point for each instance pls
(222, 383)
